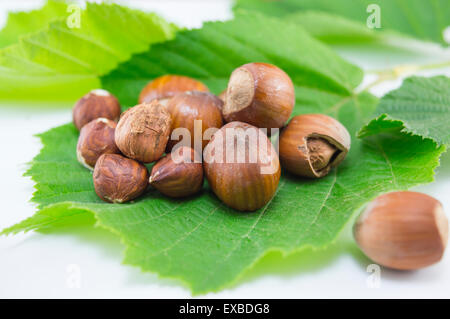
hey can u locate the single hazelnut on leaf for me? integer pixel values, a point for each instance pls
(96, 138)
(260, 94)
(95, 104)
(177, 174)
(187, 107)
(167, 86)
(242, 166)
(403, 230)
(118, 179)
(143, 131)
(312, 144)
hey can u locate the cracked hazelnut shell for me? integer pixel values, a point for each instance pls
(95, 104)
(241, 182)
(312, 144)
(167, 86)
(143, 131)
(96, 138)
(260, 94)
(118, 179)
(403, 230)
(187, 107)
(177, 174)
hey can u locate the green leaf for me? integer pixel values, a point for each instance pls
(421, 106)
(199, 240)
(22, 23)
(62, 63)
(424, 20)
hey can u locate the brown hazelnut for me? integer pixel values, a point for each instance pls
(96, 138)
(177, 174)
(403, 230)
(118, 179)
(143, 131)
(167, 86)
(242, 166)
(95, 104)
(187, 107)
(312, 144)
(260, 94)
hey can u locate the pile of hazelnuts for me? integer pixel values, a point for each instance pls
(260, 97)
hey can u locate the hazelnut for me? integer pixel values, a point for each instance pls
(167, 86)
(118, 179)
(95, 104)
(143, 131)
(242, 166)
(96, 138)
(260, 94)
(187, 107)
(312, 144)
(177, 174)
(403, 230)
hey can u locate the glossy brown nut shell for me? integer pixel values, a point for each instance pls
(95, 104)
(118, 179)
(143, 131)
(403, 230)
(96, 138)
(241, 182)
(187, 107)
(167, 86)
(260, 94)
(177, 174)
(312, 144)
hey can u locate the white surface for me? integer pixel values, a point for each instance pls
(86, 263)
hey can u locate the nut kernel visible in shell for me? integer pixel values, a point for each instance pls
(96, 138)
(143, 131)
(312, 144)
(118, 179)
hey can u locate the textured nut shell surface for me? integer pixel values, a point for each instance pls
(241, 186)
(294, 154)
(95, 104)
(143, 131)
(118, 179)
(272, 97)
(403, 230)
(96, 138)
(178, 179)
(187, 107)
(167, 86)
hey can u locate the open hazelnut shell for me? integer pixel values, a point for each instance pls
(312, 144)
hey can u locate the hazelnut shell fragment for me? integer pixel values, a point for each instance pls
(118, 179)
(312, 144)
(403, 230)
(95, 104)
(242, 172)
(260, 94)
(143, 131)
(167, 86)
(187, 107)
(177, 174)
(96, 138)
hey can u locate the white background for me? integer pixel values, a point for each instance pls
(35, 265)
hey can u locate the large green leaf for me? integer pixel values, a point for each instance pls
(22, 23)
(62, 63)
(199, 240)
(421, 106)
(424, 20)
